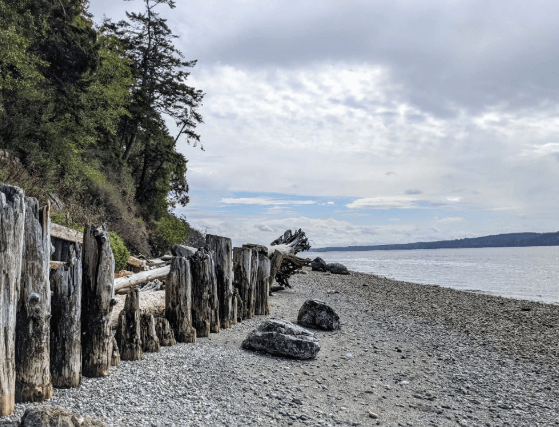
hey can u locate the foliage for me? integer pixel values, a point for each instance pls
(170, 231)
(120, 252)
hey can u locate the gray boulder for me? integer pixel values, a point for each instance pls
(336, 268)
(7, 423)
(55, 416)
(318, 264)
(317, 314)
(183, 251)
(281, 338)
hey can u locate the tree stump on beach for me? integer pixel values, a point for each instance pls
(241, 280)
(33, 381)
(150, 342)
(12, 219)
(262, 285)
(115, 353)
(128, 335)
(275, 264)
(65, 323)
(178, 301)
(222, 252)
(203, 282)
(97, 301)
(164, 332)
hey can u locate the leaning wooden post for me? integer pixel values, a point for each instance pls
(262, 283)
(178, 300)
(33, 383)
(128, 332)
(241, 279)
(97, 301)
(203, 280)
(275, 264)
(65, 323)
(12, 219)
(222, 251)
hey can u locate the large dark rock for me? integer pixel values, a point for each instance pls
(317, 314)
(282, 338)
(183, 251)
(318, 264)
(336, 268)
(54, 416)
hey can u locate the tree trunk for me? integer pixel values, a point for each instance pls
(33, 382)
(12, 219)
(97, 302)
(203, 282)
(65, 323)
(178, 300)
(275, 264)
(253, 280)
(164, 332)
(290, 243)
(222, 252)
(115, 353)
(150, 342)
(262, 285)
(241, 279)
(128, 335)
(123, 284)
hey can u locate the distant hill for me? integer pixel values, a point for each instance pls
(495, 241)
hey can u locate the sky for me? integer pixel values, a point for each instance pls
(370, 122)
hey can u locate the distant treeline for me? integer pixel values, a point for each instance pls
(495, 241)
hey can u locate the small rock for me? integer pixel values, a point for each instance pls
(343, 408)
(53, 416)
(372, 415)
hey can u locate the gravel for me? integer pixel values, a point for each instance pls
(413, 355)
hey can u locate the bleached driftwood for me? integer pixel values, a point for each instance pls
(290, 243)
(123, 285)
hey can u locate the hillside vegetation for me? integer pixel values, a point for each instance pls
(82, 116)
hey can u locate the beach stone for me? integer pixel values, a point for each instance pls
(182, 251)
(55, 416)
(337, 268)
(318, 264)
(281, 338)
(317, 314)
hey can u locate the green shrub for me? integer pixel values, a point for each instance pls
(170, 231)
(61, 219)
(120, 252)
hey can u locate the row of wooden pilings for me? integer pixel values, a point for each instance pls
(55, 325)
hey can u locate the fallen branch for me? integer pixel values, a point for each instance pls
(124, 284)
(290, 264)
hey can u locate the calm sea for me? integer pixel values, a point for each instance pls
(530, 273)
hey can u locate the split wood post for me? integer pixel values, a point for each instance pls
(150, 342)
(275, 264)
(164, 331)
(222, 252)
(97, 301)
(262, 285)
(33, 381)
(239, 306)
(115, 353)
(128, 335)
(214, 298)
(253, 280)
(12, 220)
(241, 279)
(178, 300)
(234, 303)
(65, 323)
(203, 281)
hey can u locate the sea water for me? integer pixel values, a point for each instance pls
(530, 273)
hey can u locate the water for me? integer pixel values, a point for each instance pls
(530, 273)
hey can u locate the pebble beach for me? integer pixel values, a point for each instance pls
(406, 355)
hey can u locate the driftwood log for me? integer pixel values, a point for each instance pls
(33, 380)
(203, 282)
(97, 302)
(290, 264)
(65, 323)
(222, 252)
(124, 284)
(262, 285)
(164, 332)
(178, 301)
(150, 341)
(241, 280)
(128, 332)
(275, 265)
(290, 243)
(12, 219)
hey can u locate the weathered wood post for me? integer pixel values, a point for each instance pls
(65, 323)
(150, 342)
(33, 381)
(241, 279)
(164, 332)
(203, 282)
(97, 301)
(115, 353)
(275, 264)
(214, 298)
(222, 252)
(128, 335)
(12, 219)
(262, 285)
(253, 280)
(178, 301)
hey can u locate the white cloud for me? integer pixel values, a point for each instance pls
(449, 219)
(383, 203)
(263, 201)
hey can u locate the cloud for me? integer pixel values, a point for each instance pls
(383, 203)
(412, 192)
(449, 219)
(264, 201)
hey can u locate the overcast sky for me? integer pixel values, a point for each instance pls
(370, 122)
